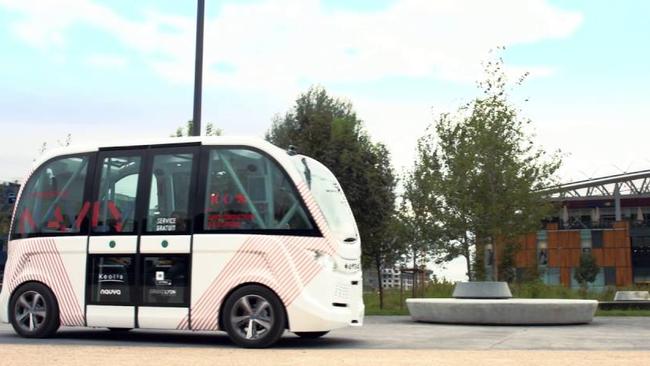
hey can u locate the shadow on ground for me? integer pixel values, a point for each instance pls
(137, 338)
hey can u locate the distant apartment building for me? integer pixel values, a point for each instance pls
(395, 278)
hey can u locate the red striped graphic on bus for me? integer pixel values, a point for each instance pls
(283, 264)
(39, 260)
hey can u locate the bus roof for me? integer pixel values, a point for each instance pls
(254, 142)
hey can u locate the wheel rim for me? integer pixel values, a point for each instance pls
(252, 317)
(30, 311)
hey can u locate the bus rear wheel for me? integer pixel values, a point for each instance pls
(34, 312)
(254, 317)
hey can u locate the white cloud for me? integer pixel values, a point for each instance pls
(267, 49)
(283, 41)
(106, 61)
(273, 45)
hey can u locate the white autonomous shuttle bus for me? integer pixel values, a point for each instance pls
(198, 233)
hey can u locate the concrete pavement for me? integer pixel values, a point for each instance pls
(385, 332)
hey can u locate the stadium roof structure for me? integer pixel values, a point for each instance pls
(633, 185)
(624, 184)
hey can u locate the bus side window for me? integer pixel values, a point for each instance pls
(52, 200)
(169, 200)
(245, 190)
(114, 211)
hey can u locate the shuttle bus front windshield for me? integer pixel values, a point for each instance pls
(329, 196)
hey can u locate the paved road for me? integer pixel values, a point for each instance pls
(394, 332)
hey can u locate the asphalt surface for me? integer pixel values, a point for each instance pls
(384, 332)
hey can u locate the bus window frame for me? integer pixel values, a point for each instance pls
(151, 152)
(147, 154)
(96, 184)
(197, 211)
(202, 188)
(84, 228)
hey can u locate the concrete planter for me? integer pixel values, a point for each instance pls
(492, 303)
(482, 290)
(508, 311)
(631, 296)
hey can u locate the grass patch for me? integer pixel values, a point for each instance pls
(627, 312)
(538, 290)
(394, 302)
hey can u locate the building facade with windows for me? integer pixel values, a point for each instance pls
(608, 217)
(8, 193)
(395, 278)
(554, 253)
(390, 278)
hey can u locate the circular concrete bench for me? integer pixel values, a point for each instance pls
(502, 311)
(632, 296)
(482, 290)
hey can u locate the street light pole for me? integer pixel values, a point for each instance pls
(198, 69)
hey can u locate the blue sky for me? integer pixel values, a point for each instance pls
(105, 70)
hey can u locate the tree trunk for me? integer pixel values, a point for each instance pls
(468, 258)
(415, 277)
(380, 282)
(495, 266)
(401, 289)
(468, 268)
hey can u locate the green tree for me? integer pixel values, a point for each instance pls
(491, 176)
(389, 247)
(375, 215)
(420, 213)
(210, 130)
(5, 221)
(587, 271)
(5, 213)
(507, 268)
(327, 129)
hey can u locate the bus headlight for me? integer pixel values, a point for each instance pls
(340, 265)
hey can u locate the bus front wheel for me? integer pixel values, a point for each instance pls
(33, 311)
(254, 317)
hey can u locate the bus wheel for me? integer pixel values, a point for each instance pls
(34, 312)
(254, 317)
(310, 335)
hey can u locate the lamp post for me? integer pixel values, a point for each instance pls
(198, 69)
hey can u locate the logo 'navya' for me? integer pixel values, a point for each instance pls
(110, 291)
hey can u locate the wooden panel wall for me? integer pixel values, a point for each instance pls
(564, 251)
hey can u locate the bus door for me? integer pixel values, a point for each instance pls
(166, 240)
(140, 242)
(113, 243)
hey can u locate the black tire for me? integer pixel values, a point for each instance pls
(33, 311)
(310, 335)
(119, 330)
(259, 327)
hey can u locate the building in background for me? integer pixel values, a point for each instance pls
(8, 194)
(396, 278)
(608, 217)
